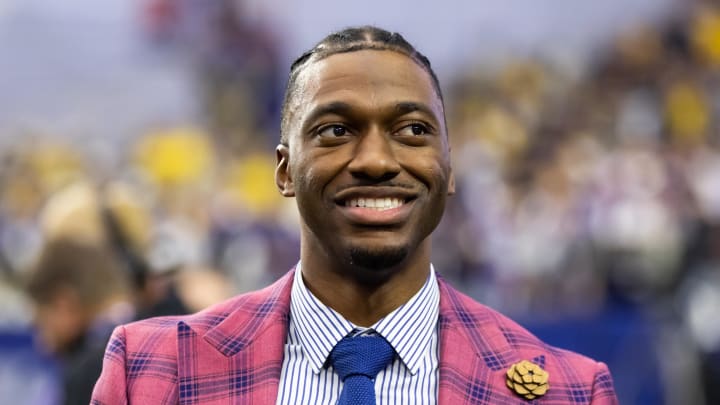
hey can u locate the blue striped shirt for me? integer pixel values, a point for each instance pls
(411, 329)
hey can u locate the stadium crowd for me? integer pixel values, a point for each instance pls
(588, 207)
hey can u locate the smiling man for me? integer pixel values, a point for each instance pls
(363, 318)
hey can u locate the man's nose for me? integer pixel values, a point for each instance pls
(374, 157)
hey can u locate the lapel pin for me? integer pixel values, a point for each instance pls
(527, 380)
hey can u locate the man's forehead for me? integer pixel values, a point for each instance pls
(370, 65)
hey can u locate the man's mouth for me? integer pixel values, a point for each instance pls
(376, 206)
(379, 204)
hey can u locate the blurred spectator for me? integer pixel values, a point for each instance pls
(115, 218)
(91, 276)
(81, 294)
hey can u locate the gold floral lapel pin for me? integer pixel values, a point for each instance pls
(527, 380)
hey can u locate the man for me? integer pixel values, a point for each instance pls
(79, 285)
(362, 319)
(80, 294)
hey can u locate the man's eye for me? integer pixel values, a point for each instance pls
(332, 131)
(413, 130)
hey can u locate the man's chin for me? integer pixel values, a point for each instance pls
(376, 263)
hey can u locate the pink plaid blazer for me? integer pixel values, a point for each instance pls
(232, 353)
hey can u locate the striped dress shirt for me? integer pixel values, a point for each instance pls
(314, 329)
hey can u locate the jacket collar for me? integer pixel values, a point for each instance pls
(238, 323)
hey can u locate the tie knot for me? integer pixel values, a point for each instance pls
(361, 355)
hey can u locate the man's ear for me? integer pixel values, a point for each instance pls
(451, 183)
(451, 174)
(283, 177)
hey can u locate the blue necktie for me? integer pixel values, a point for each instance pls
(357, 360)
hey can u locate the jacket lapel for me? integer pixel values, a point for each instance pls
(235, 354)
(474, 352)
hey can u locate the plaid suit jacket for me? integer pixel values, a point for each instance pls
(232, 353)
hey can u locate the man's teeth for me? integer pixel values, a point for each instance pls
(375, 203)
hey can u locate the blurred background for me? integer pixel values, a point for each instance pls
(136, 172)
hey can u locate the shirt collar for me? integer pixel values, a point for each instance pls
(408, 329)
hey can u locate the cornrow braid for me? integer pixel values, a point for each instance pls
(350, 40)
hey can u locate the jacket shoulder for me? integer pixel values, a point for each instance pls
(141, 361)
(158, 331)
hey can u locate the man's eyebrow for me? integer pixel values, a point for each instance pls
(345, 109)
(406, 107)
(335, 107)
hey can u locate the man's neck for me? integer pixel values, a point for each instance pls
(364, 303)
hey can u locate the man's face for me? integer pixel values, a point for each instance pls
(367, 158)
(61, 320)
